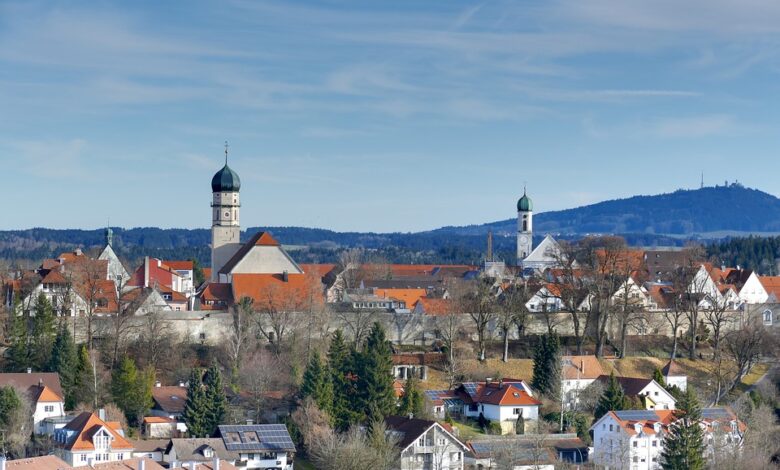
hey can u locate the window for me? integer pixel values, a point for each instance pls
(421, 441)
(83, 457)
(767, 317)
(441, 441)
(455, 456)
(517, 411)
(636, 459)
(48, 408)
(202, 336)
(120, 456)
(636, 444)
(655, 443)
(610, 428)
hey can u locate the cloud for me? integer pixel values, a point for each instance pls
(57, 160)
(696, 126)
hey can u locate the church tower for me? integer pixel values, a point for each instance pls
(225, 226)
(525, 209)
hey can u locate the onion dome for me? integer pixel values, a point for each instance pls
(525, 204)
(226, 180)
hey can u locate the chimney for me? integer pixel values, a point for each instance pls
(285, 276)
(411, 415)
(141, 464)
(181, 384)
(250, 422)
(40, 382)
(488, 380)
(146, 271)
(582, 366)
(215, 466)
(102, 414)
(500, 384)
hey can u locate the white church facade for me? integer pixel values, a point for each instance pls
(546, 254)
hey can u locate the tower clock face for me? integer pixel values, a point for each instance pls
(523, 239)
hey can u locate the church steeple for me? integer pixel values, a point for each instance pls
(525, 234)
(225, 211)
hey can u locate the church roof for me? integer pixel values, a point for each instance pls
(225, 180)
(258, 239)
(544, 252)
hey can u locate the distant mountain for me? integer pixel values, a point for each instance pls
(662, 220)
(711, 212)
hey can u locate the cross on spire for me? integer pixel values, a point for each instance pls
(226, 151)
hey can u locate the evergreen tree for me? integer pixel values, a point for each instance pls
(194, 414)
(10, 402)
(318, 383)
(340, 364)
(684, 444)
(131, 390)
(613, 398)
(412, 402)
(19, 352)
(658, 376)
(547, 367)
(44, 331)
(64, 361)
(216, 401)
(84, 379)
(375, 381)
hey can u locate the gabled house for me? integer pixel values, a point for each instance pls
(88, 440)
(44, 391)
(425, 444)
(674, 375)
(166, 413)
(260, 445)
(578, 372)
(650, 392)
(198, 450)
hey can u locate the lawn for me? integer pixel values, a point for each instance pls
(468, 430)
(301, 464)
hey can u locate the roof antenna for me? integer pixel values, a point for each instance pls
(226, 151)
(702, 180)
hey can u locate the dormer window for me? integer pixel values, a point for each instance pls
(101, 440)
(208, 452)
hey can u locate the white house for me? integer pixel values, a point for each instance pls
(634, 438)
(651, 392)
(546, 299)
(578, 373)
(425, 444)
(502, 401)
(88, 440)
(259, 445)
(44, 391)
(754, 291)
(674, 375)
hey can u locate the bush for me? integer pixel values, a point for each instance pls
(494, 427)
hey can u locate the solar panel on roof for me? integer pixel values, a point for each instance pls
(715, 413)
(471, 388)
(636, 415)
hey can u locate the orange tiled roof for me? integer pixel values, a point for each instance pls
(435, 306)
(581, 367)
(158, 420)
(86, 425)
(54, 277)
(507, 395)
(271, 291)
(771, 284)
(45, 394)
(409, 296)
(179, 265)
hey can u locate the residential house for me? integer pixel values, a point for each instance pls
(44, 391)
(153, 449)
(433, 306)
(185, 270)
(260, 445)
(199, 450)
(674, 375)
(636, 436)
(88, 440)
(135, 463)
(425, 444)
(47, 462)
(166, 419)
(652, 394)
(417, 364)
(578, 373)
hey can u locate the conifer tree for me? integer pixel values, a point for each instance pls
(19, 351)
(44, 331)
(131, 390)
(318, 383)
(547, 367)
(658, 376)
(684, 444)
(412, 402)
(194, 414)
(216, 401)
(64, 361)
(375, 381)
(613, 398)
(340, 364)
(84, 379)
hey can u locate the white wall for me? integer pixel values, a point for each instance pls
(40, 414)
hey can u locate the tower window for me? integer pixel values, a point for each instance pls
(525, 225)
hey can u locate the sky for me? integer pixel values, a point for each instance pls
(378, 116)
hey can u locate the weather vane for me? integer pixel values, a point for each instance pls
(226, 151)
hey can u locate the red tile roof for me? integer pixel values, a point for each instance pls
(169, 399)
(86, 425)
(581, 367)
(506, 395)
(179, 265)
(47, 462)
(271, 291)
(408, 296)
(435, 306)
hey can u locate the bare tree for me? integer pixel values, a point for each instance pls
(239, 333)
(511, 311)
(719, 316)
(256, 380)
(358, 322)
(277, 314)
(88, 276)
(480, 304)
(571, 282)
(746, 346)
(155, 340)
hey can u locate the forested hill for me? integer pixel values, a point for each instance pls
(709, 212)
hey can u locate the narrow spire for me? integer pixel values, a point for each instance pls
(524, 184)
(226, 151)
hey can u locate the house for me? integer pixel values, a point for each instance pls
(433, 306)
(502, 401)
(425, 444)
(215, 464)
(153, 449)
(674, 375)
(168, 401)
(197, 450)
(636, 436)
(186, 270)
(526, 452)
(260, 445)
(417, 364)
(578, 372)
(45, 394)
(652, 394)
(47, 462)
(157, 427)
(88, 440)
(546, 255)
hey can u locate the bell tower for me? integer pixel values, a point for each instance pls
(225, 222)
(525, 233)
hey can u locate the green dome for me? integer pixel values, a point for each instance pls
(226, 180)
(525, 204)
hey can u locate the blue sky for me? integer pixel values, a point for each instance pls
(384, 116)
